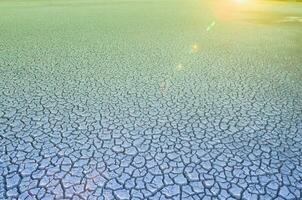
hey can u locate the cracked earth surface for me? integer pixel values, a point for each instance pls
(108, 101)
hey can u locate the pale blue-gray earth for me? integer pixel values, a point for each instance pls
(150, 100)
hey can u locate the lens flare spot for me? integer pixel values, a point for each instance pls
(179, 67)
(194, 48)
(211, 26)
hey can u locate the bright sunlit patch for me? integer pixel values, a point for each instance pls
(240, 1)
(227, 9)
(291, 19)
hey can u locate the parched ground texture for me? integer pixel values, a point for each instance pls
(149, 100)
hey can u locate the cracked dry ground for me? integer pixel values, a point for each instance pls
(94, 105)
